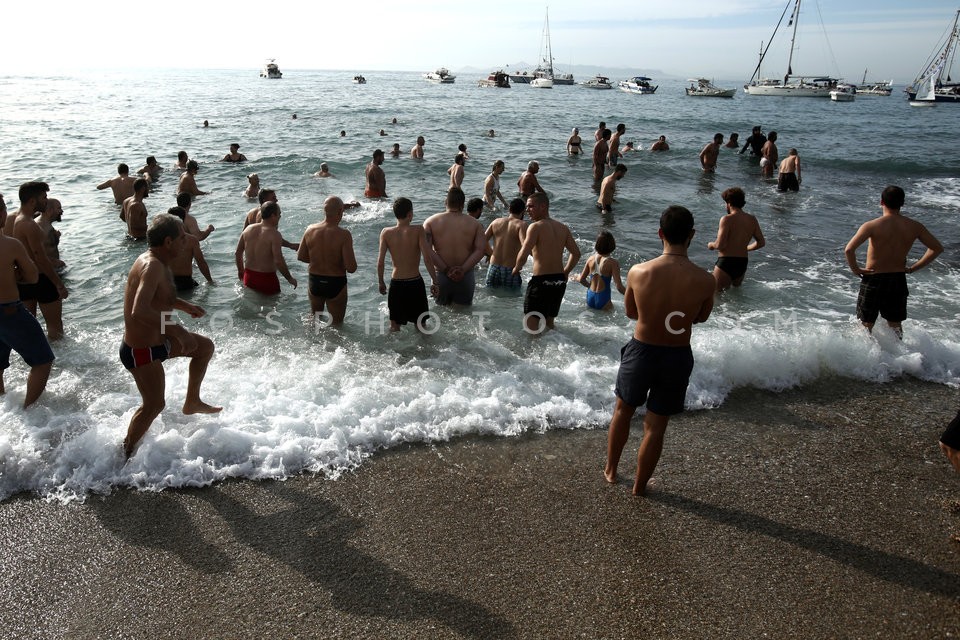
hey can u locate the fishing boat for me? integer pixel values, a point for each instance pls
(794, 85)
(497, 79)
(702, 87)
(638, 84)
(597, 82)
(359, 79)
(844, 93)
(934, 83)
(440, 76)
(271, 70)
(880, 88)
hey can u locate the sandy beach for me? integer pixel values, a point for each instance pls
(825, 512)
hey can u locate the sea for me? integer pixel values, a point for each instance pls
(300, 397)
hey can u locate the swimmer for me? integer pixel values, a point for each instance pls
(710, 153)
(376, 180)
(599, 271)
(121, 185)
(417, 151)
(234, 155)
(253, 186)
(737, 229)
(324, 171)
(188, 180)
(574, 143)
(608, 188)
(528, 183)
(456, 171)
(660, 144)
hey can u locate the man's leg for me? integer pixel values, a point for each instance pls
(337, 306)
(617, 437)
(53, 316)
(897, 329)
(199, 359)
(723, 280)
(151, 383)
(654, 426)
(36, 383)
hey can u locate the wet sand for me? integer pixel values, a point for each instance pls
(825, 512)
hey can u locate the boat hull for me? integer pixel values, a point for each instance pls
(632, 88)
(720, 93)
(792, 91)
(939, 97)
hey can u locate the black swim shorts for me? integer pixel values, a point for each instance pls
(544, 295)
(407, 300)
(43, 290)
(733, 266)
(20, 332)
(655, 375)
(884, 294)
(327, 286)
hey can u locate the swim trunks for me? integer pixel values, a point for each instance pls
(20, 332)
(788, 182)
(266, 283)
(407, 300)
(43, 290)
(133, 358)
(544, 295)
(884, 294)
(326, 287)
(951, 437)
(499, 275)
(732, 266)
(372, 193)
(655, 375)
(764, 162)
(185, 283)
(456, 292)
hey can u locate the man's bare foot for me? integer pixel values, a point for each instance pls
(610, 476)
(953, 455)
(200, 407)
(642, 491)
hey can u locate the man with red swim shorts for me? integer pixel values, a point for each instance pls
(259, 256)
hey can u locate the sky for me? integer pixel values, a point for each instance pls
(713, 38)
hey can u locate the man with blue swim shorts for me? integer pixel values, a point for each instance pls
(507, 235)
(666, 296)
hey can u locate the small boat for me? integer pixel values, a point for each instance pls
(496, 79)
(359, 79)
(597, 82)
(881, 88)
(563, 78)
(441, 76)
(930, 84)
(270, 70)
(637, 84)
(704, 88)
(542, 82)
(522, 77)
(844, 93)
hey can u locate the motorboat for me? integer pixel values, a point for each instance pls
(880, 88)
(597, 82)
(563, 78)
(792, 85)
(703, 88)
(542, 83)
(271, 70)
(844, 93)
(934, 83)
(637, 84)
(440, 76)
(497, 79)
(359, 79)
(521, 77)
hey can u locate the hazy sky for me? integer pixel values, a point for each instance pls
(717, 38)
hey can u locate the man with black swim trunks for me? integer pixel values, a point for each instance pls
(149, 334)
(328, 249)
(407, 294)
(666, 296)
(883, 285)
(737, 229)
(545, 239)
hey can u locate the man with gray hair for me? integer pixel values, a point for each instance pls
(528, 182)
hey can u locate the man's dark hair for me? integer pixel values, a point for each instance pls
(163, 226)
(140, 184)
(192, 165)
(734, 196)
(378, 152)
(30, 190)
(455, 199)
(264, 195)
(123, 169)
(892, 197)
(517, 206)
(268, 210)
(180, 212)
(676, 223)
(401, 207)
(184, 200)
(605, 134)
(475, 204)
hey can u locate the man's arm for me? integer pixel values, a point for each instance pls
(278, 260)
(850, 251)
(27, 267)
(238, 256)
(574, 251)
(348, 256)
(934, 248)
(703, 157)
(437, 260)
(479, 249)
(42, 260)
(201, 262)
(105, 185)
(303, 251)
(759, 241)
(142, 310)
(706, 306)
(488, 239)
(529, 242)
(427, 259)
(629, 301)
(720, 244)
(381, 261)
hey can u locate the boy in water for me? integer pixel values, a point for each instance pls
(407, 243)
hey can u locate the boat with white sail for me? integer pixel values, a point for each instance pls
(703, 88)
(638, 84)
(934, 83)
(794, 85)
(440, 76)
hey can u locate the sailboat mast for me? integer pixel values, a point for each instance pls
(796, 20)
(546, 32)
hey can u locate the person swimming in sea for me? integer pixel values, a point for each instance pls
(599, 271)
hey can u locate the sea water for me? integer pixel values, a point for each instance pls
(299, 397)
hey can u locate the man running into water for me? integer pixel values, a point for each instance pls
(666, 296)
(883, 285)
(737, 229)
(150, 336)
(328, 249)
(259, 254)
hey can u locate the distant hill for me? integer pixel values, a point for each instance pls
(580, 72)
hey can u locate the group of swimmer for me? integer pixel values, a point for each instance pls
(665, 295)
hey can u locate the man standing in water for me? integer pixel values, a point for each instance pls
(710, 153)
(149, 336)
(328, 249)
(376, 180)
(134, 211)
(608, 188)
(507, 234)
(883, 285)
(122, 185)
(528, 183)
(666, 296)
(769, 156)
(456, 244)
(407, 244)
(737, 229)
(259, 254)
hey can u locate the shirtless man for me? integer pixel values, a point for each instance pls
(600, 151)
(733, 142)
(395, 151)
(234, 155)
(545, 239)
(149, 335)
(51, 235)
(737, 229)
(182, 160)
(253, 186)
(613, 153)
(883, 286)
(324, 171)
(507, 235)
(456, 245)
(769, 156)
(491, 186)
(407, 294)
(188, 180)
(528, 183)
(456, 171)
(376, 180)
(666, 296)
(259, 254)
(475, 208)
(709, 154)
(48, 290)
(328, 250)
(122, 185)
(789, 178)
(462, 148)
(19, 330)
(182, 265)
(152, 170)
(660, 144)
(598, 134)
(417, 151)
(134, 211)
(608, 188)
(185, 201)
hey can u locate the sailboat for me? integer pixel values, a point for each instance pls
(543, 76)
(930, 86)
(792, 84)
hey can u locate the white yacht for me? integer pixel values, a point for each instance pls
(638, 84)
(270, 70)
(597, 82)
(440, 76)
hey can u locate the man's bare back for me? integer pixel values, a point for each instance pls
(454, 236)
(122, 187)
(668, 295)
(261, 248)
(507, 234)
(328, 250)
